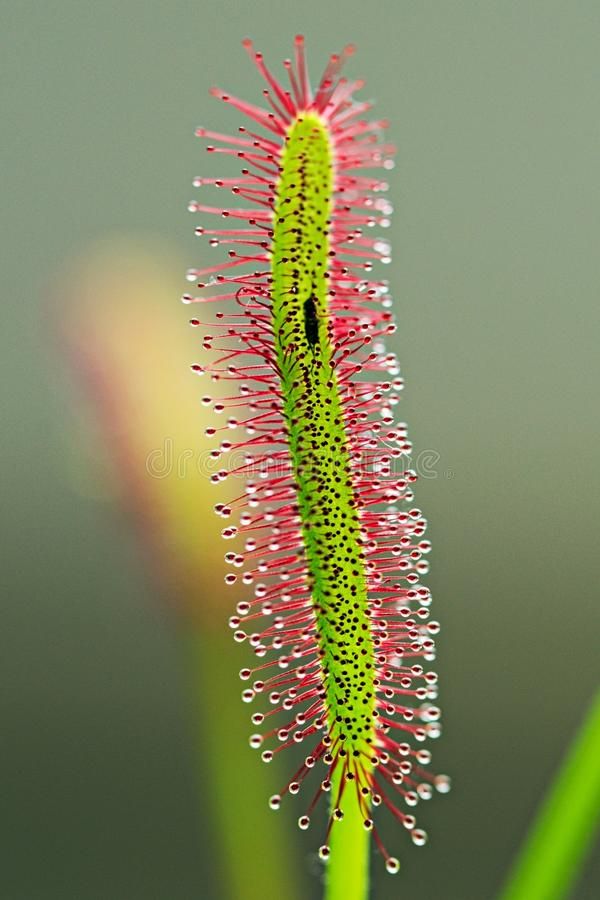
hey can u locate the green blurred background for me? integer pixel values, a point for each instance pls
(495, 110)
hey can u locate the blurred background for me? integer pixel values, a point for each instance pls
(115, 692)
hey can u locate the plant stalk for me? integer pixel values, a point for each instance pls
(555, 848)
(347, 870)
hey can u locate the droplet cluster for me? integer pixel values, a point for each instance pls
(334, 547)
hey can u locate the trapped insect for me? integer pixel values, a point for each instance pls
(311, 322)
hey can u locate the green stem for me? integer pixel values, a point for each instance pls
(566, 823)
(347, 871)
(257, 857)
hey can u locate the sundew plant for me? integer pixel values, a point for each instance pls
(331, 544)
